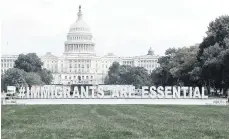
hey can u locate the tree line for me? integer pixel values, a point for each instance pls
(205, 64)
(27, 71)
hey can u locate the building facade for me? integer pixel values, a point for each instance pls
(79, 64)
(7, 62)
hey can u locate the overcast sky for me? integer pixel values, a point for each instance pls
(124, 27)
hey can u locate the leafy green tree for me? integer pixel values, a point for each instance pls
(46, 76)
(122, 74)
(29, 62)
(113, 74)
(162, 75)
(138, 76)
(213, 54)
(218, 30)
(13, 77)
(33, 78)
(215, 66)
(176, 67)
(32, 63)
(125, 75)
(183, 63)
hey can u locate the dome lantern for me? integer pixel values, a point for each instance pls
(80, 15)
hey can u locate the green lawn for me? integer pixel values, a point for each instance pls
(115, 121)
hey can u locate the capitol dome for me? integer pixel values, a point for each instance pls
(79, 25)
(150, 52)
(79, 38)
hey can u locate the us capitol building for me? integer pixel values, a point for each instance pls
(79, 63)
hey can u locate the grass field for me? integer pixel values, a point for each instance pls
(115, 121)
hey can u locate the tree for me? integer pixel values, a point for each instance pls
(213, 54)
(218, 30)
(13, 77)
(183, 63)
(225, 73)
(46, 76)
(176, 67)
(122, 74)
(17, 77)
(32, 63)
(138, 76)
(29, 62)
(162, 75)
(113, 74)
(33, 78)
(215, 66)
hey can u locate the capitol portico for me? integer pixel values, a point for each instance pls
(79, 63)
